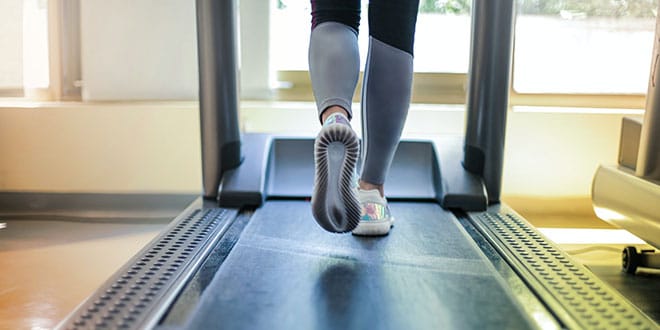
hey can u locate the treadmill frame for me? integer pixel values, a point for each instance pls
(139, 295)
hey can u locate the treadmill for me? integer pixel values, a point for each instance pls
(248, 255)
(626, 195)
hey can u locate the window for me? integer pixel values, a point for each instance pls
(590, 53)
(442, 41)
(442, 47)
(24, 67)
(11, 42)
(40, 58)
(567, 52)
(572, 46)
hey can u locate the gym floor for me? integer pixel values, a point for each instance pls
(50, 265)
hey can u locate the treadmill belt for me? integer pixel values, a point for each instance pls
(287, 272)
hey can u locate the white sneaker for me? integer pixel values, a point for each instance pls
(376, 219)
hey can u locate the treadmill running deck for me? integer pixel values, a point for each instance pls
(286, 272)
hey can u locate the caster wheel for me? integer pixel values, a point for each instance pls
(629, 260)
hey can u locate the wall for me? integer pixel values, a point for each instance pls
(154, 147)
(147, 49)
(106, 148)
(138, 50)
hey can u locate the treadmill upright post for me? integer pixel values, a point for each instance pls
(488, 91)
(218, 90)
(648, 157)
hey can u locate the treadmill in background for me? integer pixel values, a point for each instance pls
(628, 195)
(248, 255)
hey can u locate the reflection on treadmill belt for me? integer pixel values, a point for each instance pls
(286, 272)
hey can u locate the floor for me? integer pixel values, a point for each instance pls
(42, 279)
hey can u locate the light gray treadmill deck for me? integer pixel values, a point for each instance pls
(286, 272)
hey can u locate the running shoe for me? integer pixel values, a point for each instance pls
(375, 219)
(334, 200)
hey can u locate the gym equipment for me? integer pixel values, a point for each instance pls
(249, 255)
(627, 194)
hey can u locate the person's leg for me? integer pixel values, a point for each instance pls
(334, 65)
(387, 85)
(334, 59)
(386, 92)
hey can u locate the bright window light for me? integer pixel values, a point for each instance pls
(442, 39)
(11, 43)
(35, 44)
(574, 46)
(24, 45)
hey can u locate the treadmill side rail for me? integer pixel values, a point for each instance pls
(245, 185)
(460, 188)
(628, 201)
(217, 41)
(489, 79)
(580, 299)
(648, 157)
(138, 294)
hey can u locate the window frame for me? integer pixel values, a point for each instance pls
(64, 50)
(428, 88)
(451, 88)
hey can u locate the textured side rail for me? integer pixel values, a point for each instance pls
(589, 302)
(134, 296)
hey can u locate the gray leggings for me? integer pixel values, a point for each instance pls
(334, 65)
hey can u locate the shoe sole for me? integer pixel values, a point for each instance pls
(379, 228)
(334, 202)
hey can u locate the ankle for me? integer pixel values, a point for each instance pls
(332, 110)
(370, 186)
